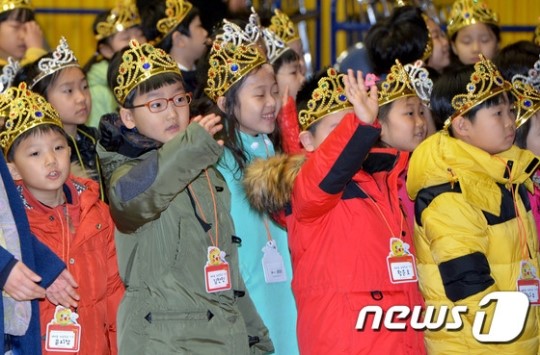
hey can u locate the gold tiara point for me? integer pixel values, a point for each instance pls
(468, 12)
(228, 64)
(8, 5)
(62, 57)
(486, 81)
(176, 11)
(329, 97)
(396, 85)
(283, 27)
(22, 110)
(123, 16)
(526, 89)
(139, 63)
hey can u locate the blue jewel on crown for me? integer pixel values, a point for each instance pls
(234, 67)
(527, 103)
(471, 87)
(498, 80)
(39, 113)
(342, 97)
(146, 66)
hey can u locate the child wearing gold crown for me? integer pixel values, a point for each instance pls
(65, 213)
(474, 230)
(473, 29)
(175, 26)
(347, 234)
(248, 100)
(176, 244)
(20, 35)
(113, 30)
(58, 77)
(520, 64)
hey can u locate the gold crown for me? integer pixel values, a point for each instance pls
(139, 63)
(420, 81)
(329, 97)
(228, 64)
(486, 81)
(22, 110)
(7, 5)
(468, 12)
(8, 73)
(176, 12)
(275, 47)
(396, 85)
(526, 89)
(283, 27)
(123, 16)
(62, 57)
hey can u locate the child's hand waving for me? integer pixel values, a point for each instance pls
(211, 123)
(364, 102)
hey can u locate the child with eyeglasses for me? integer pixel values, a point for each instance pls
(175, 238)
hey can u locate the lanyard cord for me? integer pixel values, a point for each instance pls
(400, 234)
(216, 242)
(265, 217)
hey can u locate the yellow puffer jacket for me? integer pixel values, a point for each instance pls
(467, 236)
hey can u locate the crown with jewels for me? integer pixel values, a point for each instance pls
(468, 12)
(123, 16)
(420, 80)
(62, 57)
(486, 81)
(139, 63)
(233, 33)
(22, 110)
(283, 27)
(329, 97)
(228, 64)
(526, 89)
(8, 5)
(396, 85)
(8, 73)
(275, 47)
(176, 12)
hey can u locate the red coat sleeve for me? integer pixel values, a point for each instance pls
(322, 178)
(289, 129)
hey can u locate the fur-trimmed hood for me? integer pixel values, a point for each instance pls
(269, 182)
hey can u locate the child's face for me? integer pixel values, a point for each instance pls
(12, 44)
(258, 102)
(473, 40)
(311, 141)
(405, 126)
(195, 44)
(70, 96)
(160, 126)
(296, 46)
(440, 58)
(290, 76)
(533, 137)
(42, 161)
(493, 128)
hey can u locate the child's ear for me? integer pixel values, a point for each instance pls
(126, 116)
(105, 50)
(460, 126)
(222, 103)
(178, 39)
(307, 140)
(14, 171)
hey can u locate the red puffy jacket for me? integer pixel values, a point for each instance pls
(87, 248)
(344, 210)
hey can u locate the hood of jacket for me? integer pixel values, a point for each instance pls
(269, 182)
(442, 159)
(97, 74)
(119, 144)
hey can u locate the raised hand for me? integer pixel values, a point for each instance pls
(62, 291)
(33, 35)
(21, 284)
(211, 123)
(364, 102)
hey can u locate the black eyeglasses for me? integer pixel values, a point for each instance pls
(159, 105)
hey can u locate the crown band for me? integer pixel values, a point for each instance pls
(176, 11)
(396, 85)
(23, 110)
(122, 17)
(468, 12)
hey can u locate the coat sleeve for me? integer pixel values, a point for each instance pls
(457, 235)
(115, 289)
(322, 179)
(7, 262)
(141, 190)
(48, 264)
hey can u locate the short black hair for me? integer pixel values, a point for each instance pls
(18, 14)
(453, 83)
(35, 131)
(183, 27)
(288, 56)
(403, 36)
